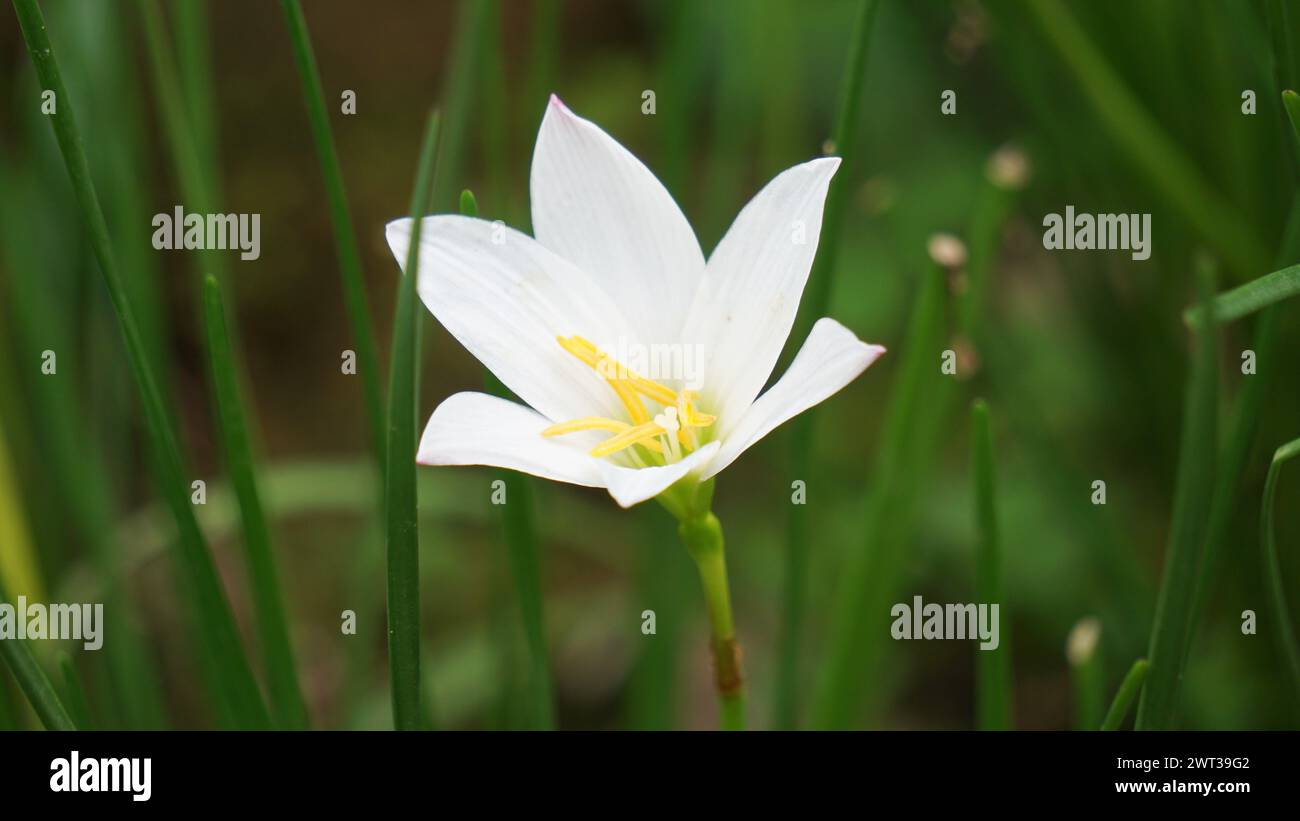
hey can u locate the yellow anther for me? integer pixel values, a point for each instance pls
(693, 417)
(638, 435)
(580, 348)
(586, 423)
(613, 370)
(684, 434)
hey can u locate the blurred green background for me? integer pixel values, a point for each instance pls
(1082, 356)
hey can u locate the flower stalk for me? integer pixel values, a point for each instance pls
(701, 532)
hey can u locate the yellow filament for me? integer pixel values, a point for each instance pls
(635, 407)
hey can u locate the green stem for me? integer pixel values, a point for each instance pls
(1126, 695)
(75, 693)
(400, 495)
(34, 683)
(1272, 569)
(196, 184)
(992, 667)
(848, 680)
(702, 534)
(1194, 487)
(287, 704)
(194, 61)
(1248, 298)
(345, 238)
(803, 435)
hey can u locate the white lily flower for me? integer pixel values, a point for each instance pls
(615, 266)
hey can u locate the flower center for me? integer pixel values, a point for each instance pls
(665, 436)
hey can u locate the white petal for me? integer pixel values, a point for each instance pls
(599, 207)
(629, 486)
(478, 429)
(747, 302)
(830, 358)
(506, 298)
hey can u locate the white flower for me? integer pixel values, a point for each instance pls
(615, 267)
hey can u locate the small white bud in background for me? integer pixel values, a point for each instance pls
(947, 251)
(1082, 641)
(1008, 168)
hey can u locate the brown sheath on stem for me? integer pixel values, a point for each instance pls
(726, 666)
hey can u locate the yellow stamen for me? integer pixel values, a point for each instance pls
(630, 386)
(595, 423)
(641, 434)
(635, 407)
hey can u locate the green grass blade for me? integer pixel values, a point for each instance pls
(400, 493)
(464, 68)
(19, 563)
(543, 49)
(8, 711)
(1236, 452)
(74, 693)
(33, 681)
(1250, 403)
(992, 667)
(1006, 174)
(1248, 298)
(844, 139)
(195, 183)
(194, 59)
(1152, 151)
(1193, 492)
(35, 685)
(468, 203)
(916, 404)
(520, 532)
(1126, 695)
(77, 467)
(525, 571)
(287, 705)
(1291, 102)
(1285, 632)
(345, 239)
(785, 706)
(1284, 44)
(230, 676)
